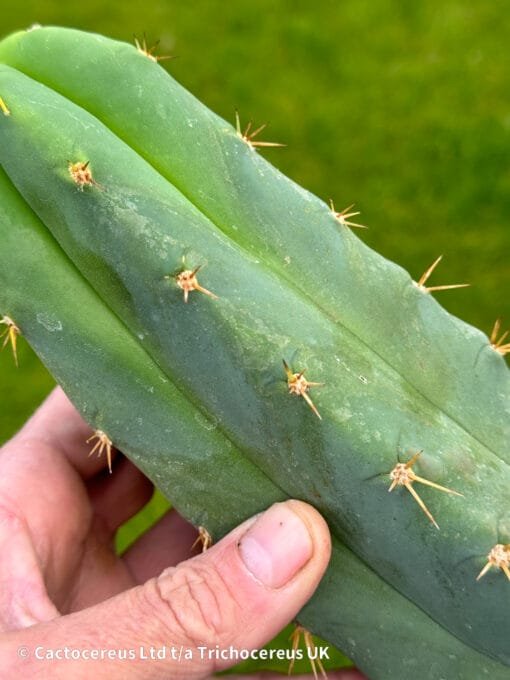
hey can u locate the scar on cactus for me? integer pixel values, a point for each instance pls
(81, 174)
(249, 135)
(141, 46)
(4, 108)
(299, 385)
(187, 281)
(315, 662)
(403, 475)
(498, 557)
(429, 289)
(10, 335)
(103, 444)
(204, 539)
(498, 344)
(343, 217)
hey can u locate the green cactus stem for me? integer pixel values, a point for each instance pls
(163, 270)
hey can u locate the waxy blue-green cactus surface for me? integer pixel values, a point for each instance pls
(196, 394)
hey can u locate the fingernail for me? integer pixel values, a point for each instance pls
(277, 546)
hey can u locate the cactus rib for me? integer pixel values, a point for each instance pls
(99, 224)
(103, 343)
(268, 220)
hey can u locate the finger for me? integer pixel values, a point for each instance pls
(241, 592)
(23, 597)
(167, 543)
(45, 491)
(117, 497)
(58, 424)
(349, 674)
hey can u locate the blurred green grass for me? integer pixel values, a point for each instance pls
(403, 108)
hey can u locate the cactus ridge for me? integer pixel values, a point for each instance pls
(156, 90)
(302, 290)
(396, 367)
(22, 231)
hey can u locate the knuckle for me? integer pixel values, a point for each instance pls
(193, 603)
(10, 520)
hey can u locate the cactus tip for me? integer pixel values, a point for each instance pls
(249, 135)
(103, 444)
(299, 385)
(10, 335)
(498, 557)
(425, 276)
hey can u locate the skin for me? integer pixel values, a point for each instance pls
(62, 584)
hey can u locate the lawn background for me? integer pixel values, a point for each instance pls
(400, 107)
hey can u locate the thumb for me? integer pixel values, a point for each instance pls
(237, 595)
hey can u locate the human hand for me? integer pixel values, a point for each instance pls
(63, 585)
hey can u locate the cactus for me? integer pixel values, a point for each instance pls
(178, 286)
